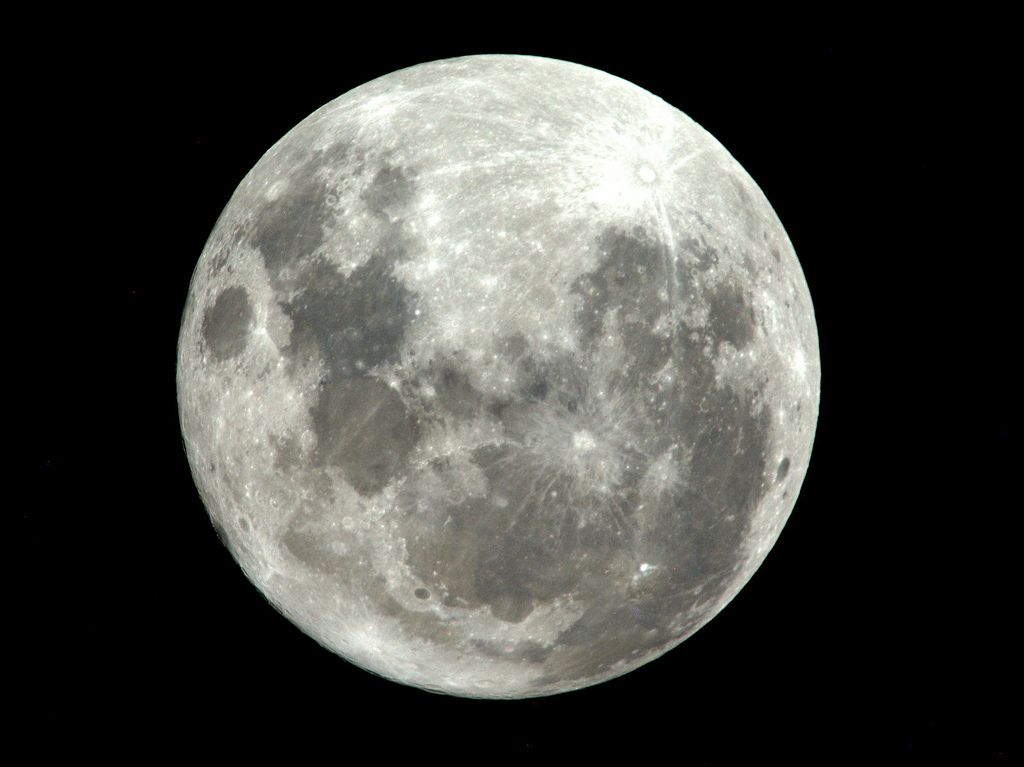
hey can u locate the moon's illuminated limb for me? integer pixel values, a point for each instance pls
(499, 375)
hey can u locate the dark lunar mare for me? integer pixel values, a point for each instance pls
(226, 322)
(519, 546)
(352, 323)
(347, 323)
(292, 227)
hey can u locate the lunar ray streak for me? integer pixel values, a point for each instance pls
(669, 243)
(684, 161)
(520, 160)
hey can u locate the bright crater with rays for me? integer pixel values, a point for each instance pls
(498, 376)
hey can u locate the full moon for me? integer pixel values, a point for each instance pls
(498, 376)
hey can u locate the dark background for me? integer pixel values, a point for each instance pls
(879, 629)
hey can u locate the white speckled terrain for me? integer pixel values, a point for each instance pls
(499, 376)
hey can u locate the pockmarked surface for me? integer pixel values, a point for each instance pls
(498, 376)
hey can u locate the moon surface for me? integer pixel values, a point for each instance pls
(498, 376)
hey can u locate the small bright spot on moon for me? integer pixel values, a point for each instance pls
(276, 189)
(800, 363)
(583, 440)
(646, 174)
